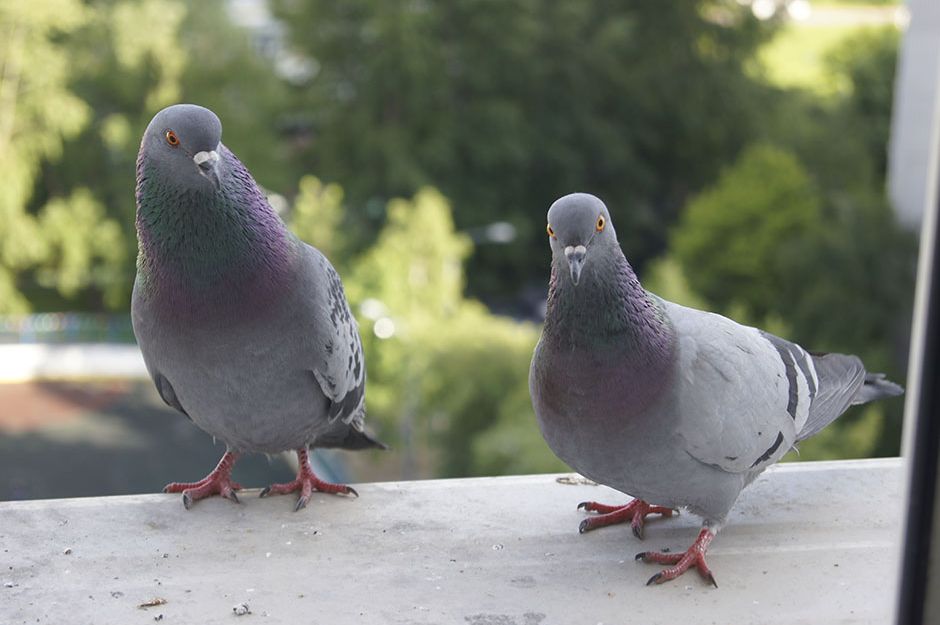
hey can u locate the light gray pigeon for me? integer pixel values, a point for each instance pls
(673, 406)
(244, 328)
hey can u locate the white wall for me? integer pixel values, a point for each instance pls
(27, 361)
(915, 125)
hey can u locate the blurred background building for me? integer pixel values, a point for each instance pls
(742, 147)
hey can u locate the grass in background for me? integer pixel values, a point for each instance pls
(796, 57)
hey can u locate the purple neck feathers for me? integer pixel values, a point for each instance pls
(201, 248)
(608, 304)
(610, 322)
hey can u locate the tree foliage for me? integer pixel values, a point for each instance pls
(79, 84)
(762, 203)
(868, 85)
(737, 241)
(841, 280)
(505, 106)
(442, 368)
(764, 247)
(317, 217)
(38, 113)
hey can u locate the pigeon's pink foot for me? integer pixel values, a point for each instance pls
(219, 482)
(306, 483)
(635, 512)
(682, 562)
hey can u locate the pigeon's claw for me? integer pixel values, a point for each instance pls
(635, 512)
(219, 482)
(682, 562)
(178, 487)
(222, 489)
(306, 483)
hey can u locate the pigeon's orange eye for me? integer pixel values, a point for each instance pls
(601, 222)
(551, 232)
(171, 138)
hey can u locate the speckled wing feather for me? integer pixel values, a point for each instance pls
(338, 367)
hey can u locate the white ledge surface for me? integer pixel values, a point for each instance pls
(807, 543)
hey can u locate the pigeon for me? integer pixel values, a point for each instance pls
(676, 407)
(244, 328)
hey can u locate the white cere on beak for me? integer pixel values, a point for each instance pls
(206, 157)
(571, 249)
(575, 256)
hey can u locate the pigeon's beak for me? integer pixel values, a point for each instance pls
(207, 163)
(575, 256)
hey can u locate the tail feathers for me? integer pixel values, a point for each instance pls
(838, 378)
(360, 439)
(876, 386)
(842, 382)
(351, 438)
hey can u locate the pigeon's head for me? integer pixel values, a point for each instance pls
(579, 226)
(182, 143)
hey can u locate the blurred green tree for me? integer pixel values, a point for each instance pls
(477, 394)
(865, 64)
(665, 278)
(762, 247)
(86, 248)
(407, 289)
(317, 218)
(505, 106)
(97, 74)
(734, 239)
(442, 369)
(38, 112)
(843, 280)
(841, 140)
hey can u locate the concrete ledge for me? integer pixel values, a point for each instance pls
(807, 543)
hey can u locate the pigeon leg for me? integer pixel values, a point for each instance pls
(219, 482)
(306, 483)
(682, 562)
(635, 512)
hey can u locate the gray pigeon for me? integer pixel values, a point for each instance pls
(244, 328)
(673, 406)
